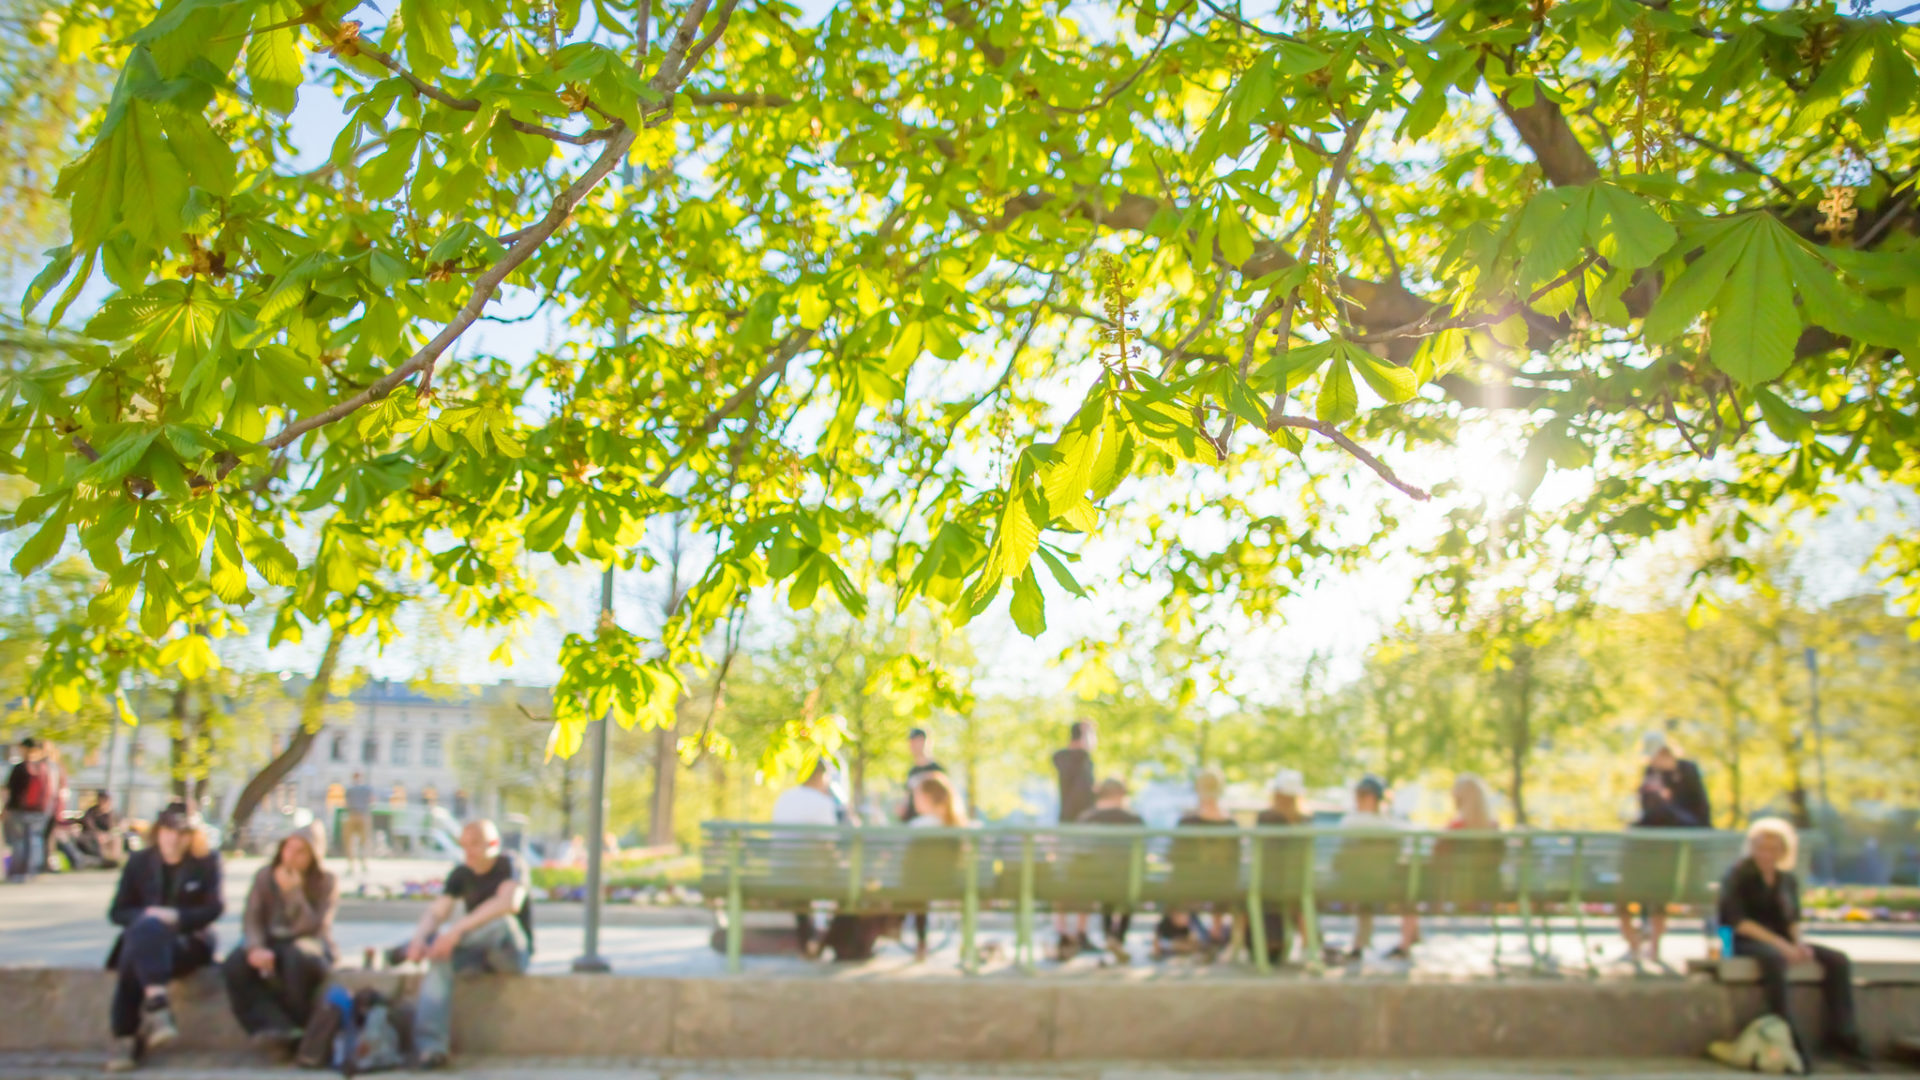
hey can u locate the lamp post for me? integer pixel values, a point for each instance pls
(1819, 732)
(590, 961)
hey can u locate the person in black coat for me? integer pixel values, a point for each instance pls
(168, 900)
(1672, 796)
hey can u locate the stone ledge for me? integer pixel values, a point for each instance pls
(1003, 1021)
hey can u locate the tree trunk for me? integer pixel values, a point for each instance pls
(1522, 739)
(666, 773)
(177, 765)
(312, 719)
(666, 740)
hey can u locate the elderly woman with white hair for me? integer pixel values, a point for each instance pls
(1760, 902)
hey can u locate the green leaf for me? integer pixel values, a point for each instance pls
(1626, 230)
(1755, 326)
(1029, 607)
(274, 71)
(59, 262)
(1061, 574)
(1686, 297)
(1392, 382)
(155, 186)
(1236, 241)
(229, 578)
(1338, 401)
(43, 545)
(267, 554)
(429, 35)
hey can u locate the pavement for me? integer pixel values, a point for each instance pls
(180, 1067)
(60, 921)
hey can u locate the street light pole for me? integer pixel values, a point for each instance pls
(590, 961)
(1819, 732)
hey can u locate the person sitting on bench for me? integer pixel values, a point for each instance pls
(495, 935)
(1760, 902)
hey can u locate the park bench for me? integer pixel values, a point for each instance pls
(1026, 870)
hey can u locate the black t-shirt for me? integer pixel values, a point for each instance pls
(97, 819)
(1075, 769)
(1110, 816)
(474, 889)
(913, 777)
(170, 883)
(1275, 817)
(1745, 895)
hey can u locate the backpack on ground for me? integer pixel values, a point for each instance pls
(1764, 1046)
(356, 1033)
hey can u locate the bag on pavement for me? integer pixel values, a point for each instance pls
(1764, 1046)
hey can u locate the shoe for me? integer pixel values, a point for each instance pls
(432, 1061)
(1398, 952)
(275, 1042)
(157, 1028)
(125, 1055)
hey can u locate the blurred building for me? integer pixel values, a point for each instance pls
(401, 739)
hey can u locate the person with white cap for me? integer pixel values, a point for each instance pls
(1286, 806)
(1672, 796)
(1285, 792)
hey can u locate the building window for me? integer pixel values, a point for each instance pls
(370, 749)
(430, 750)
(402, 748)
(340, 748)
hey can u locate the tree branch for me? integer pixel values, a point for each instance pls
(526, 242)
(428, 90)
(1381, 468)
(790, 347)
(1742, 162)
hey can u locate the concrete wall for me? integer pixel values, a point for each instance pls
(1005, 1019)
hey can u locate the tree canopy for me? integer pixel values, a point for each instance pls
(923, 293)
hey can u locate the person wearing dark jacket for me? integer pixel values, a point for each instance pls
(1672, 796)
(275, 974)
(166, 905)
(1760, 903)
(31, 797)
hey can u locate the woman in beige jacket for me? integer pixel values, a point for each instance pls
(275, 976)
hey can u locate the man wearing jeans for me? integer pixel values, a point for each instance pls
(495, 935)
(30, 798)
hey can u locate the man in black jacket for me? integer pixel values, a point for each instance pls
(168, 900)
(31, 792)
(1672, 796)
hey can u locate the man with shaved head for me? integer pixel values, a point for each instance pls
(495, 934)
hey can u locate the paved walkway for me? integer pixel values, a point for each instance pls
(61, 1067)
(60, 921)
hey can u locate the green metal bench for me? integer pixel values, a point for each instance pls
(1025, 870)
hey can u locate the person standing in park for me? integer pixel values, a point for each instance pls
(923, 764)
(30, 799)
(167, 902)
(356, 830)
(1110, 808)
(1760, 903)
(494, 934)
(1672, 796)
(275, 975)
(1073, 770)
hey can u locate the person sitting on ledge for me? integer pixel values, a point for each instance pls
(495, 935)
(276, 974)
(166, 904)
(1760, 901)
